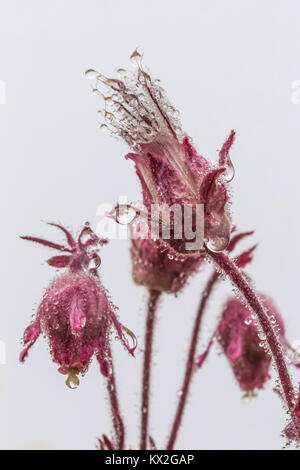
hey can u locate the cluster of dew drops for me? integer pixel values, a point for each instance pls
(135, 108)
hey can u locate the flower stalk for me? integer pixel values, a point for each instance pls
(117, 419)
(154, 296)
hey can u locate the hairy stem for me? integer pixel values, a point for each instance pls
(154, 295)
(229, 268)
(190, 363)
(115, 407)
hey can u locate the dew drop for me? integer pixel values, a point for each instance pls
(262, 336)
(135, 55)
(248, 321)
(132, 337)
(104, 127)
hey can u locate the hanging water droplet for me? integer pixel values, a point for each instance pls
(296, 346)
(262, 336)
(109, 117)
(131, 335)
(248, 396)
(122, 72)
(248, 321)
(104, 127)
(217, 243)
(91, 74)
(95, 262)
(124, 214)
(135, 55)
(230, 172)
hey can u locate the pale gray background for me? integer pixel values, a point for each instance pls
(226, 64)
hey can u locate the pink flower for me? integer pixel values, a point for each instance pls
(243, 343)
(75, 314)
(168, 166)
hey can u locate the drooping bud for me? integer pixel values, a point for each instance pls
(76, 314)
(243, 344)
(170, 170)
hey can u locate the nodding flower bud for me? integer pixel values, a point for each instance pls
(170, 170)
(76, 314)
(244, 345)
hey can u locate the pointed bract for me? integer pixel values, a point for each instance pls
(76, 315)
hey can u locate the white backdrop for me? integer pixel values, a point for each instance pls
(226, 64)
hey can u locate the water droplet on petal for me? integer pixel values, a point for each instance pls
(91, 74)
(131, 335)
(136, 56)
(230, 172)
(104, 127)
(217, 243)
(262, 336)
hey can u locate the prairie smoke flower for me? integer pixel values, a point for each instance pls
(243, 343)
(170, 171)
(292, 430)
(159, 268)
(76, 314)
(167, 164)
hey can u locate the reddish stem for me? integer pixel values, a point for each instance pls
(190, 364)
(115, 407)
(150, 322)
(229, 268)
